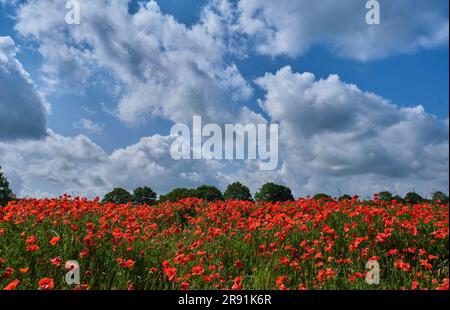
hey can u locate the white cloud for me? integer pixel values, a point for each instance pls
(53, 165)
(336, 136)
(88, 110)
(23, 111)
(374, 146)
(90, 126)
(8, 2)
(291, 27)
(333, 135)
(57, 165)
(165, 69)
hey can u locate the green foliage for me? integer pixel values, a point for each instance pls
(118, 196)
(322, 196)
(345, 197)
(274, 192)
(237, 191)
(178, 194)
(209, 193)
(385, 196)
(205, 192)
(439, 197)
(144, 195)
(413, 198)
(6, 195)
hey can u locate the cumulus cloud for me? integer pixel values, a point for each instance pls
(89, 126)
(374, 145)
(53, 165)
(23, 111)
(165, 69)
(58, 164)
(291, 27)
(334, 136)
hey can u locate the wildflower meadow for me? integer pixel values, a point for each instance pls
(194, 244)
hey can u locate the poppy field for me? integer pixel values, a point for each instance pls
(193, 244)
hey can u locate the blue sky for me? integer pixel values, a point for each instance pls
(96, 95)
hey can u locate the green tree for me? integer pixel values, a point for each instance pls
(274, 192)
(439, 197)
(385, 196)
(413, 198)
(322, 196)
(209, 193)
(345, 197)
(178, 194)
(144, 195)
(6, 195)
(237, 191)
(118, 196)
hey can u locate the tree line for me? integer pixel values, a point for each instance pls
(269, 192)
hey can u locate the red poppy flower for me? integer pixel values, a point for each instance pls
(170, 273)
(426, 264)
(46, 284)
(12, 285)
(184, 286)
(280, 281)
(54, 240)
(284, 260)
(392, 252)
(402, 265)
(31, 239)
(127, 263)
(32, 248)
(84, 253)
(8, 273)
(207, 278)
(198, 270)
(237, 285)
(444, 285)
(56, 261)
(24, 270)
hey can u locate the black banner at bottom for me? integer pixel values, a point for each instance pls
(225, 299)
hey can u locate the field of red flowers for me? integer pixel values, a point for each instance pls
(192, 244)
